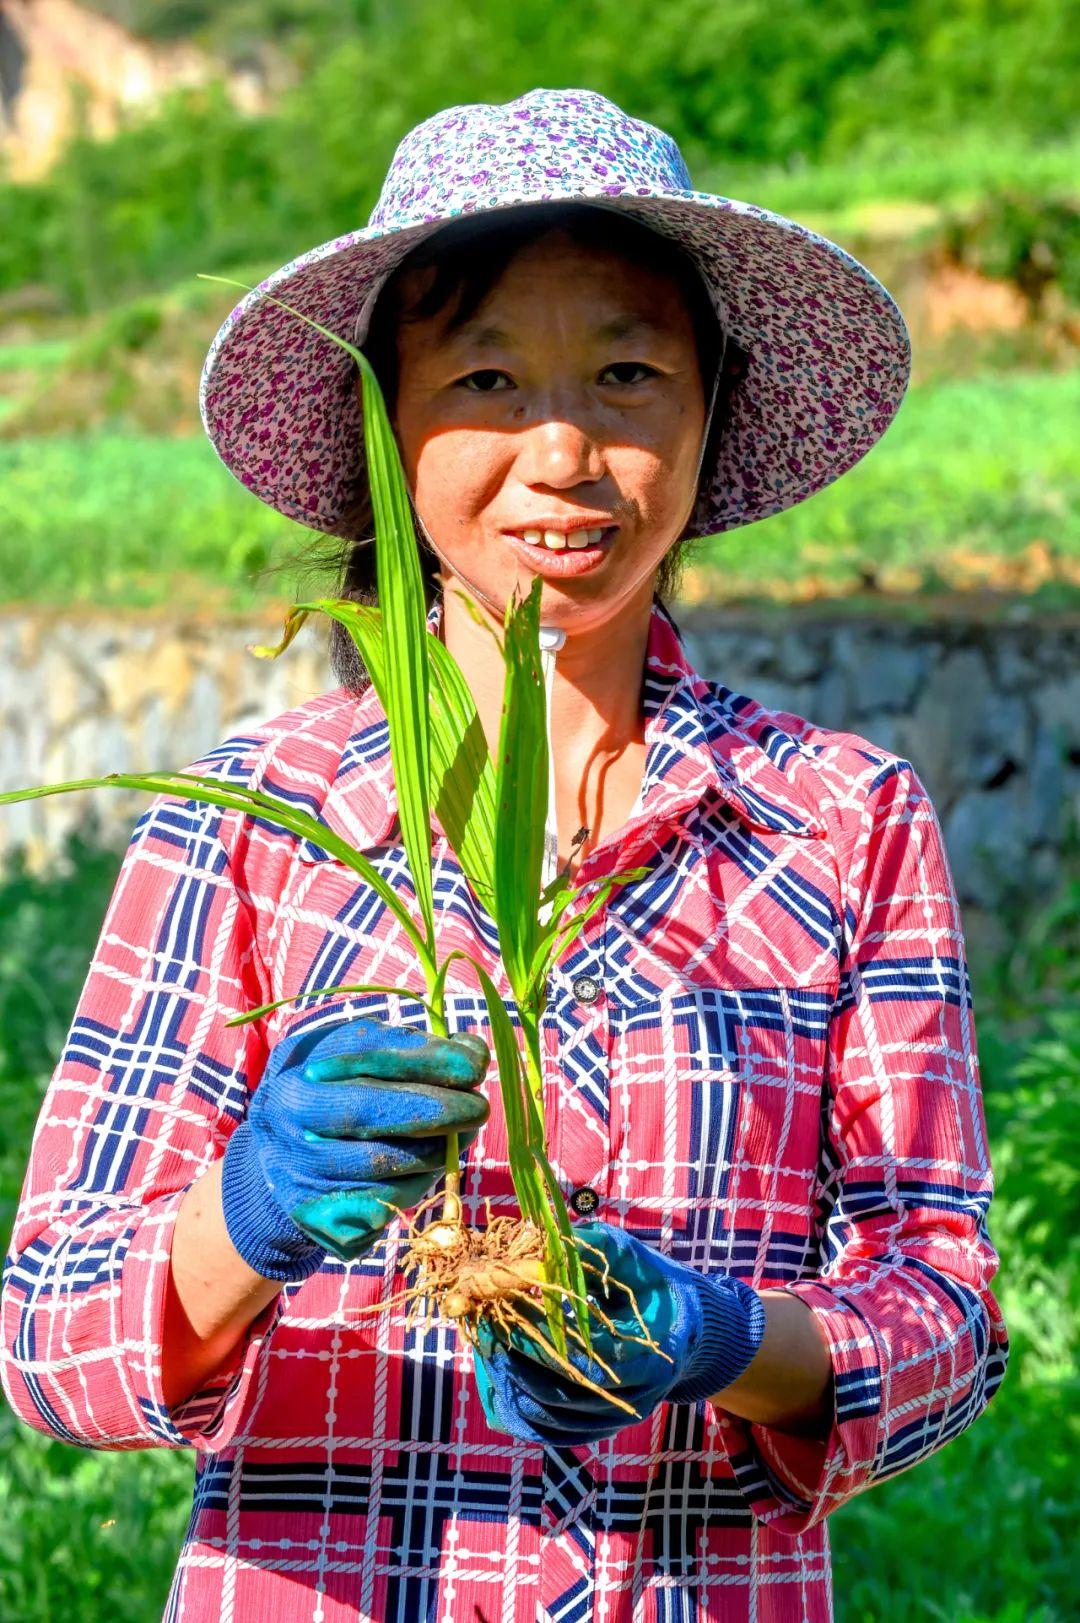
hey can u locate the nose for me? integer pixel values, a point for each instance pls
(560, 453)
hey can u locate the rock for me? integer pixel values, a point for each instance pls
(776, 695)
(1056, 650)
(987, 714)
(988, 846)
(1012, 662)
(733, 658)
(709, 642)
(888, 733)
(801, 653)
(834, 703)
(949, 722)
(206, 725)
(962, 731)
(986, 936)
(1046, 787)
(886, 675)
(1045, 869)
(1057, 704)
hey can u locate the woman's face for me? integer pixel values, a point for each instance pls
(569, 407)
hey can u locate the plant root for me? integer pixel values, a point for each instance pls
(497, 1274)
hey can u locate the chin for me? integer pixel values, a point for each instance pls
(579, 614)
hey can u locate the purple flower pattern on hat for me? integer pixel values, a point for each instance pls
(829, 350)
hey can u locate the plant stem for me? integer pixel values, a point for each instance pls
(451, 1212)
(534, 1073)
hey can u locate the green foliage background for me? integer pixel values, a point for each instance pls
(964, 116)
(957, 126)
(913, 134)
(749, 90)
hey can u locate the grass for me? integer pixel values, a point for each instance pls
(976, 484)
(34, 354)
(982, 1532)
(27, 364)
(85, 1534)
(840, 196)
(133, 521)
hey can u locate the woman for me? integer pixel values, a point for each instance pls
(762, 1084)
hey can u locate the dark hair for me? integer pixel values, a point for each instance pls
(468, 256)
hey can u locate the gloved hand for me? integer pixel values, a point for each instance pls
(710, 1325)
(345, 1119)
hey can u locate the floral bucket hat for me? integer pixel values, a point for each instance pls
(827, 351)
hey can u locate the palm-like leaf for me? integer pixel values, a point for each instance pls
(401, 594)
(236, 797)
(462, 786)
(405, 646)
(521, 786)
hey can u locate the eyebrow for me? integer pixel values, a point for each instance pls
(489, 337)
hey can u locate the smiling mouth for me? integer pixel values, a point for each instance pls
(563, 554)
(561, 541)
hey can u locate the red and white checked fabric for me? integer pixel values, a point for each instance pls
(775, 1074)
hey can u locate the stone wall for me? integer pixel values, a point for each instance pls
(80, 697)
(986, 707)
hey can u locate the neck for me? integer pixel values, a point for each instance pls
(596, 701)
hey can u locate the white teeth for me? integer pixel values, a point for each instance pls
(556, 541)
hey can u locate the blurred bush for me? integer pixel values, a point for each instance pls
(51, 924)
(794, 86)
(144, 522)
(975, 486)
(1030, 241)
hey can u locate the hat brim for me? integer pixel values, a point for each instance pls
(829, 362)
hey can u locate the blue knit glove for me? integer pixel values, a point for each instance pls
(710, 1325)
(345, 1119)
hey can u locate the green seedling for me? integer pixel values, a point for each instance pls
(515, 1269)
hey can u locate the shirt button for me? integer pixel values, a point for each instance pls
(584, 1202)
(586, 988)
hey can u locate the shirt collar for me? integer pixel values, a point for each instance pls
(701, 738)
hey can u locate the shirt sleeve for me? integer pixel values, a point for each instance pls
(916, 1338)
(148, 1089)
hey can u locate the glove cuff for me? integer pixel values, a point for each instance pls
(264, 1235)
(732, 1327)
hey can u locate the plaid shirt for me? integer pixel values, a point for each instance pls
(759, 1056)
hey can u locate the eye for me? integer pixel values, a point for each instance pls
(631, 366)
(485, 381)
